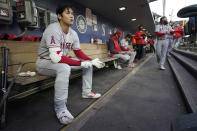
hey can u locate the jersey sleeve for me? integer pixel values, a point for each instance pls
(157, 28)
(122, 42)
(52, 38)
(170, 29)
(76, 43)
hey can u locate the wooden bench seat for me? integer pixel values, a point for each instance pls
(26, 52)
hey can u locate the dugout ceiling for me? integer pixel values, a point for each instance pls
(135, 9)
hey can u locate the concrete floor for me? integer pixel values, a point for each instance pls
(148, 101)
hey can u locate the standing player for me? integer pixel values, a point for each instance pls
(151, 42)
(162, 31)
(57, 40)
(178, 35)
(130, 52)
(140, 42)
(170, 42)
(133, 41)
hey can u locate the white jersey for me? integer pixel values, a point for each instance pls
(163, 29)
(124, 43)
(54, 37)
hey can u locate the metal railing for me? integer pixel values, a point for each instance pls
(189, 43)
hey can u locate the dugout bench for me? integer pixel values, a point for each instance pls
(26, 52)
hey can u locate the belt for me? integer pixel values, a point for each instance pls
(42, 58)
(162, 38)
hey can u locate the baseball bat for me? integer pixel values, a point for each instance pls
(11, 84)
(3, 112)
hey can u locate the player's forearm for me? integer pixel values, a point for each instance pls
(56, 56)
(81, 55)
(124, 49)
(69, 61)
(172, 32)
(137, 37)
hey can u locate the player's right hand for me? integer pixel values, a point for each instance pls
(86, 64)
(96, 62)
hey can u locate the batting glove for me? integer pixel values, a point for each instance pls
(86, 64)
(96, 62)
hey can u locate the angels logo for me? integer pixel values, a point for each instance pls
(52, 40)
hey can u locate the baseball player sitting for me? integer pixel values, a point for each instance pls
(115, 50)
(58, 39)
(131, 52)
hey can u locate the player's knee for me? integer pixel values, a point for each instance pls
(127, 57)
(89, 68)
(64, 68)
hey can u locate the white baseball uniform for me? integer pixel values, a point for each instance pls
(132, 54)
(162, 43)
(54, 37)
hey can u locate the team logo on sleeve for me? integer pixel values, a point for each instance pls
(52, 40)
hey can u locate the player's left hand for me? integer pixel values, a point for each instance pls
(96, 62)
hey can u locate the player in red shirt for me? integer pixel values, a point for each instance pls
(151, 42)
(115, 50)
(178, 35)
(140, 37)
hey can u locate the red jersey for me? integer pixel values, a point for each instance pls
(151, 42)
(116, 45)
(139, 38)
(178, 32)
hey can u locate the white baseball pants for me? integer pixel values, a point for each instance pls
(62, 72)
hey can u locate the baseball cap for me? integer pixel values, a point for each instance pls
(119, 33)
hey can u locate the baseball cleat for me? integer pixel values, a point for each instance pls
(119, 67)
(131, 65)
(92, 95)
(65, 117)
(162, 68)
